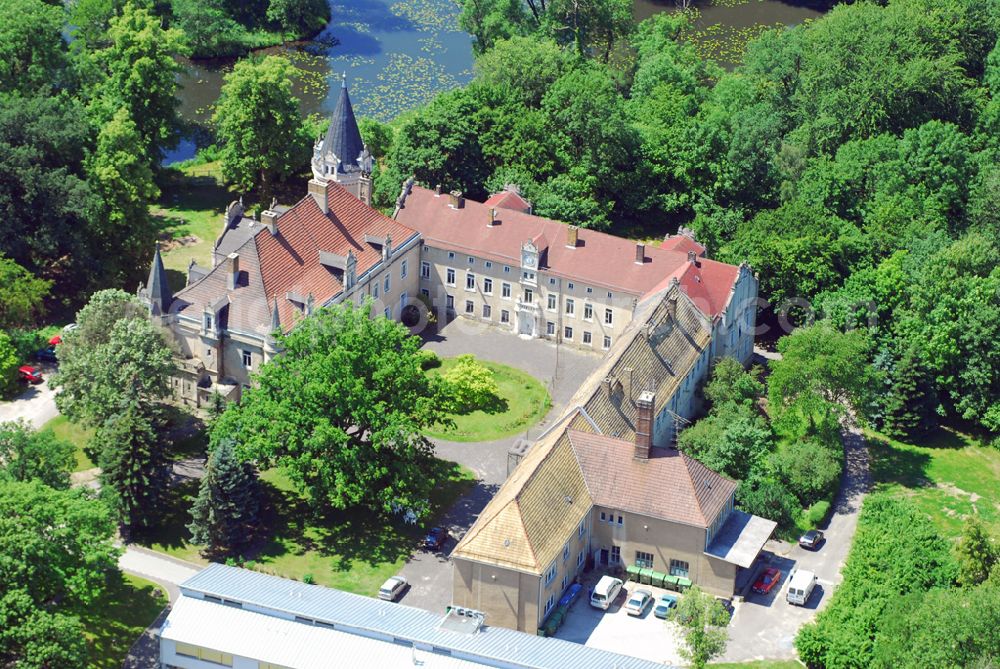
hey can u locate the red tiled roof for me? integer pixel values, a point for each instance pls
(289, 262)
(683, 244)
(508, 199)
(709, 283)
(669, 485)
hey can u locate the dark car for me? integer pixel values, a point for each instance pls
(29, 374)
(47, 354)
(435, 539)
(811, 540)
(768, 579)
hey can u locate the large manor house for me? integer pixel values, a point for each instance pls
(604, 481)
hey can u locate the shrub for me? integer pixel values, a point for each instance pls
(9, 362)
(308, 579)
(817, 513)
(428, 359)
(768, 499)
(470, 385)
(808, 469)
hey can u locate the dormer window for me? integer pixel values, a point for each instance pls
(208, 322)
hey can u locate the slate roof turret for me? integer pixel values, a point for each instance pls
(343, 138)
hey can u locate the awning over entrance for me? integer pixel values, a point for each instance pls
(741, 538)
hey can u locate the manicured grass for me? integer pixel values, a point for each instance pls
(948, 475)
(524, 402)
(189, 214)
(353, 550)
(73, 433)
(116, 620)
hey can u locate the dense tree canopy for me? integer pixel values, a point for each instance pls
(341, 411)
(27, 454)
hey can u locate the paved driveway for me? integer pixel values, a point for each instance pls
(764, 627)
(560, 368)
(614, 630)
(36, 404)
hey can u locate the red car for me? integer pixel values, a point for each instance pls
(29, 374)
(767, 581)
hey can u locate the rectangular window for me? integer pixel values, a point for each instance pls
(529, 295)
(550, 575)
(488, 286)
(609, 317)
(402, 269)
(375, 289)
(425, 292)
(489, 265)
(487, 311)
(643, 559)
(587, 338)
(550, 328)
(579, 559)
(425, 269)
(616, 554)
(186, 649)
(607, 342)
(247, 359)
(588, 311)
(610, 296)
(470, 307)
(449, 277)
(385, 288)
(590, 291)
(529, 276)
(504, 316)
(570, 286)
(388, 312)
(505, 290)
(566, 551)
(621, 520)
(552, 281)
(678, 568)
(567, 332)
(472, 261)
(506, 269)
(450, 301)
(470, 281)
(582, 529)
(451, 255)
(570, 307)
(565, 581)
(551, 306)
(604, 516)
(208, 353)
(550, 603)
(208, 321)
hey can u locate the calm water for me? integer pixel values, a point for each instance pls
(399, 54)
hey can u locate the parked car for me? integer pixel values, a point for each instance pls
(29, 374)
(392, 588)
(47, 354)
(70, 327)
(666, 602)
(767, 580)
(605, 592)
(811, 540)
(638, 602)
(55, 341)
(800, 587)
(435, 538)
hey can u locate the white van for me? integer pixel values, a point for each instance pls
(800, 586)
(605, 592)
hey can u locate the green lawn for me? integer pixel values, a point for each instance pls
(524, 402)
(350, 550)
(189, 214)
(948, 475)
(78, 436)
(116, 620)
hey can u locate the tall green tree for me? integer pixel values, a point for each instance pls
(977, 553)
(23, 298)
(298, 16)
(37, 638)
(492, 21)
(30, 455)
(263, 142)
(140, 69)
(32, 49)
(342, 412)
(703, 622)
(130, 371)
(9, 362)
(225, 515)
(135, 470)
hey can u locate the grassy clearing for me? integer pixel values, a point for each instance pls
(351, 550)
(115, 621)
(524, 402)
(948, 475)
(73, 433)
(189, 214)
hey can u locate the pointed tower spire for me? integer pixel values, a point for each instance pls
(157, 287)
(343, 138)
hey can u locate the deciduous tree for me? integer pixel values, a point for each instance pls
(23, 298)
(30, 455)
(703, 622)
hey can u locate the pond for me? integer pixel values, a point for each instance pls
(398, 54)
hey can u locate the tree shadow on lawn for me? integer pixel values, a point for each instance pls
(896, 463)
(171, 531)
(117, 618)
(295, 525)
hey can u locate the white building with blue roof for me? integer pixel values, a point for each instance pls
(232, 617)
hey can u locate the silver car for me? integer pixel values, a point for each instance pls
(392, 588)
(638, 602)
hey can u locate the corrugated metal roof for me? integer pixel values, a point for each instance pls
(491, 646)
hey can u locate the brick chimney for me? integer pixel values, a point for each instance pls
(269, 218)
(572, 236)
(640, 253)
(232, 270)
(455, 199)
(692, 257)
(672, 307)
(644, 424)
(627, 382)
(437, 190)
(493, 218)
(317, 189)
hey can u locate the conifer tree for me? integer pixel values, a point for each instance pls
(909, 405)
(225, 513)
(976, 553)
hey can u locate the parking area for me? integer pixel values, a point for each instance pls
(614, 630)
